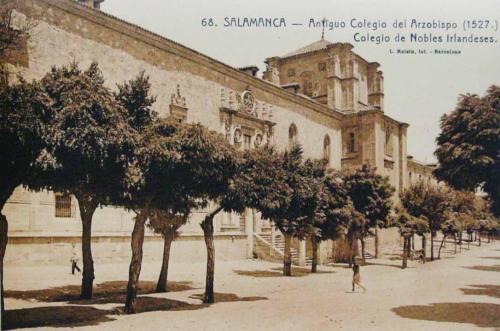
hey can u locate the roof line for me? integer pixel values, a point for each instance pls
(180, 50)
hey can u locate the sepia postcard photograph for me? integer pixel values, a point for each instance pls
(250, 165)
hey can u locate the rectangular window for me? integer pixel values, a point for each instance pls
(63, 205)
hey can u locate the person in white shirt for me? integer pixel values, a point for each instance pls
(74, 259)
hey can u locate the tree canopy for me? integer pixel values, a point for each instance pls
(468, 145)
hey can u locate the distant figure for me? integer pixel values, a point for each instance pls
(421, 256)
(74, 259)
(356, 278)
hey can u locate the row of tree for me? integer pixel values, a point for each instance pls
(68, 132)
(430, 208)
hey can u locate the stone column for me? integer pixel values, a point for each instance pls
(249, 232)
(302, 253)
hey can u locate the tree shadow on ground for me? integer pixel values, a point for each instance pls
(489, 290)
(490, 257)
(107, 292)
(146, 304)
(228, 297)
(485, 267)
(479, 314)
(55, 316)
(278, 272)
(71, 316)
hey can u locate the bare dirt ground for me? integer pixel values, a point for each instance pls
(458, 292)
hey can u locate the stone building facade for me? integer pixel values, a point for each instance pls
(323, 96)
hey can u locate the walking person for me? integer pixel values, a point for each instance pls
(356, 278)
(74, 259)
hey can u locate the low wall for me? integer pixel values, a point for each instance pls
(57, 249)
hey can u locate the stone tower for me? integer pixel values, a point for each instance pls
(330, 73)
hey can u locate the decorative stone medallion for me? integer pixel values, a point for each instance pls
(248, 101)
(258, 140)
(238, 135)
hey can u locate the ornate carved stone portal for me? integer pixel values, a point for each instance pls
(246, 122)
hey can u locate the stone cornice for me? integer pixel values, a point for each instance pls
(170, 46)
(419, 164)
(377, 112)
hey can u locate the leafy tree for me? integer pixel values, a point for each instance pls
(448, 228)
(294, 218)
(468, 145)
(282, 188)
(25, 118)
(167, 216)
(333, 214)
(429, 202)
(408, 226)
(155, 159)
(90, 143)
(465, 209)
(135, 96)
(211, 165)
(371, 196)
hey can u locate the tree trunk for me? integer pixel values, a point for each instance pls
(432, 245)
(87, 208)
(455, 241)
(376, 242)
(4, 229)
(424, 248)
(413, 241)
(6, 191)
(479, 238)
(208, 231)
(441, 246)
(362, 240)
(314, 244)
(162, 286)
(405, 255)
(287, 259)
(137, 242)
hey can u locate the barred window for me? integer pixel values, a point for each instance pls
(63, 205)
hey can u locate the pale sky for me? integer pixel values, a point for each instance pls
(418, 88)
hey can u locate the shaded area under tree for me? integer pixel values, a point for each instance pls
(106, 292)
(477, 313)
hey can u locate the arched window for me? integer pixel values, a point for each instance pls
(351, 143)
(292, 135)
(327, 149)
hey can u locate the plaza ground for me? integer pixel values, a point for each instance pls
(458, 292)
